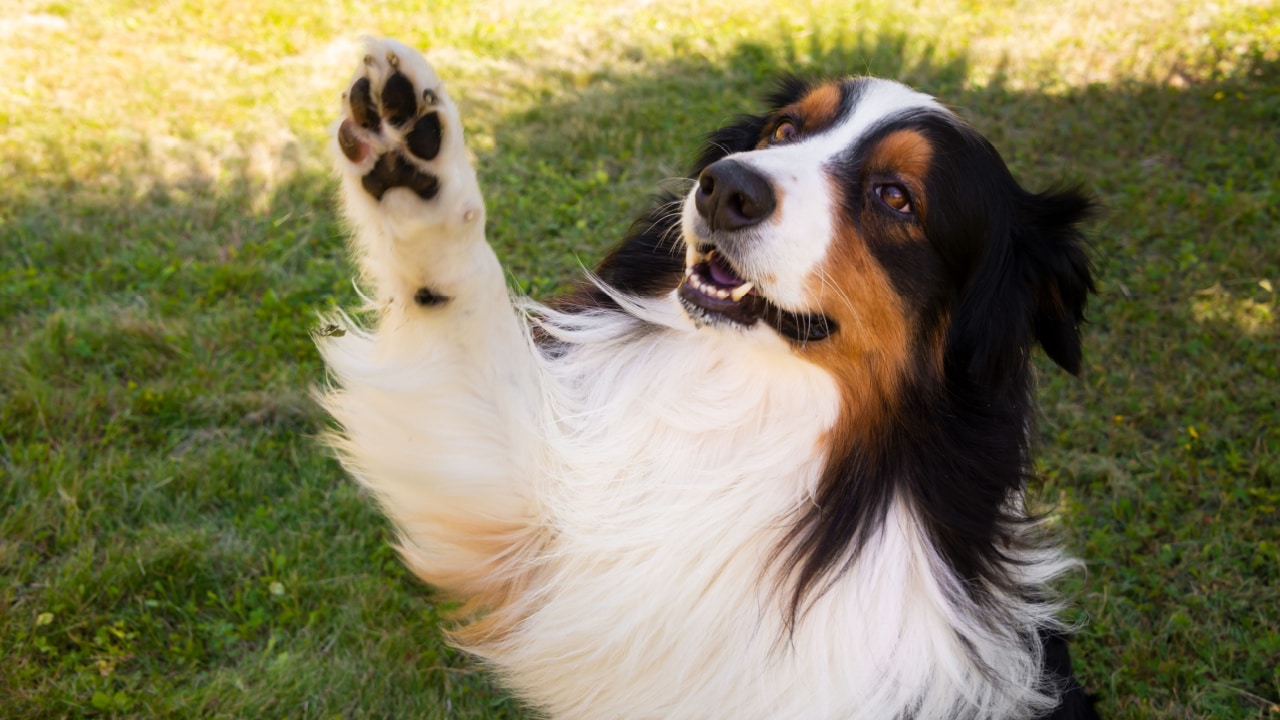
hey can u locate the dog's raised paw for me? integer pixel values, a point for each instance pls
(394, 121)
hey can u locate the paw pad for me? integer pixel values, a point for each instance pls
(378, 115)
(393, 171)
(363, 111)
(399, 103)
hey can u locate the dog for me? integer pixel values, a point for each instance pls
(769, 460)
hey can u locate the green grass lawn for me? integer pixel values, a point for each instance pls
(174, 542)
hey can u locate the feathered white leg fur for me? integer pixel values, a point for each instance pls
(434, 402)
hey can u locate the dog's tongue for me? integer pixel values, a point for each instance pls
(721, 272)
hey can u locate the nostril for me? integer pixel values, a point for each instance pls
(742, 205)
(705, 199)
(706, 183)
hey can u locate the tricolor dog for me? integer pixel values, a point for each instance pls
(769, 462)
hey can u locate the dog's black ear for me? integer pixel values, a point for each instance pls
(1062, 278)
(1030, 284)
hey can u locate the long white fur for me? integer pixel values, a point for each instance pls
(632, 489)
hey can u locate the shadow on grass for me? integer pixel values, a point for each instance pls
(161, 361)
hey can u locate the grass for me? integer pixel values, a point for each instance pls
(175, 543)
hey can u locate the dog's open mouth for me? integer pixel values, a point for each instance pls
(714, 292)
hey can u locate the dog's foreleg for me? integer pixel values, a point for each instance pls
(437, 403)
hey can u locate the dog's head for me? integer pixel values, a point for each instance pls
(887, 242)
(884, 237)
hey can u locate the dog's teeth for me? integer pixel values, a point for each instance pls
(741, 291)
(688, 272)
(722, 294)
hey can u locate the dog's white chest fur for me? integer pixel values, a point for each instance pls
(668, 502)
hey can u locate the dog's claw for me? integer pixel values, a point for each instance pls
(429, 97)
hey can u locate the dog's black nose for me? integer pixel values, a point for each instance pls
(732, 196)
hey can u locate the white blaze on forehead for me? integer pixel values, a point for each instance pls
(793, 244)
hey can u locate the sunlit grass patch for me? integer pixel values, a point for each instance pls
(1248, 315)
(174, 542)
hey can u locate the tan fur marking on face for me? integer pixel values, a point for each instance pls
(814, 112)
(904, 151)
(905, 155)
(819, 108)
(869, 353)
(936, 345)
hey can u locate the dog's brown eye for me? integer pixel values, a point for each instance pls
(785, 131)
(895, 196)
